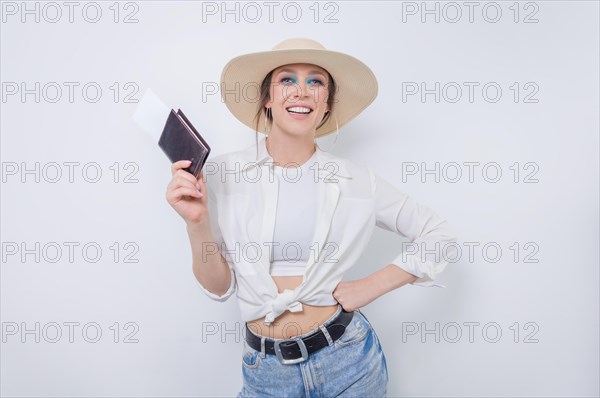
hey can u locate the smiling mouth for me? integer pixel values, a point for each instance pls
(299, 110)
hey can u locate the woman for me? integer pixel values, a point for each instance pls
(305, 334)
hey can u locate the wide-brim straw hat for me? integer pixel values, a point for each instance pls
(242, 77)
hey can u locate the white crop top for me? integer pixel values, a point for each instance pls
(295, 218)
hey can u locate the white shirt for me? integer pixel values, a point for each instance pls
(352, 200)
(295, 219)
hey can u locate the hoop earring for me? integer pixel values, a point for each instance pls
(267, 115)
(337, 132)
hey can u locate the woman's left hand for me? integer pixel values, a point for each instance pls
(353, 295)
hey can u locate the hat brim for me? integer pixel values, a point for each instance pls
(243, 75)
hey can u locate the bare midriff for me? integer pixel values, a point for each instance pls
(290, 324)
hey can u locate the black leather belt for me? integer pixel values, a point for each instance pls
(297, 350)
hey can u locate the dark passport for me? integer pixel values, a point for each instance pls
(181, 141)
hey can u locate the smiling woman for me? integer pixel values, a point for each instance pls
(305, 334)
(301, 89)
(293, 91)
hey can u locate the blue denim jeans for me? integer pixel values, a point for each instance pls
(353, 366)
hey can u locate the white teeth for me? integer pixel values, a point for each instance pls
(299, 109)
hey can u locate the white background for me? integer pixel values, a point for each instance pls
(547, 311)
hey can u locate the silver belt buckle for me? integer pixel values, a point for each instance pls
(303, 350)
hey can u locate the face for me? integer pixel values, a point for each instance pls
(296, 89)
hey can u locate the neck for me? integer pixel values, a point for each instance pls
(286, 149)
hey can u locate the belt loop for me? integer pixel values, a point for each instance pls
(263, 352)
(326, 333)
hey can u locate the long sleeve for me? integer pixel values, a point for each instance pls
(433, 242)
(218, 237)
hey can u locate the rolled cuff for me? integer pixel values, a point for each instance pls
(227, 294)
(425, 272)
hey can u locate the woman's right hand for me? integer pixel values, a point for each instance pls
(187, 195)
